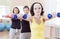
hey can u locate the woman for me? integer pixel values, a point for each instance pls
(37, 23)
(25, 31)
(15, 25)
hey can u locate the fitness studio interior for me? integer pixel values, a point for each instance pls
(11, 20)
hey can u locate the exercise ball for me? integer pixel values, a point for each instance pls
(8, 26)
(2, 27)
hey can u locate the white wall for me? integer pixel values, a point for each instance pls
(58, 6)
(50, 6)
(4, 10)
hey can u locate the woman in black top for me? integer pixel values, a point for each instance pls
(15, 27)
(25, 31)
(25, 26)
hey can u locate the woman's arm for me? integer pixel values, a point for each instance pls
(8, 16)
(29, 18)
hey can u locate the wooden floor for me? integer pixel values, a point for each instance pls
(4, 35)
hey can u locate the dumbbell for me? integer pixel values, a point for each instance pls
(49, 16)
(58, 14)
(25, 16)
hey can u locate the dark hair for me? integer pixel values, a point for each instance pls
(26, 7)
(32, 7)
(16, 8)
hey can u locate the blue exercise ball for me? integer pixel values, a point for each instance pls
(15, 17)
(49, 16)
(8, 26)
(25, 16)
(2, 27)
(58, 14)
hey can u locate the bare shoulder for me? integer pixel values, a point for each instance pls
(44, 19)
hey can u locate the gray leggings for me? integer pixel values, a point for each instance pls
(13, 32)
(25, 35)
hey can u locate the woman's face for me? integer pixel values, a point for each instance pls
(16, 11)
(26, 10)
(37, 9)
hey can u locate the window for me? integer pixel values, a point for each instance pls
(4, 10)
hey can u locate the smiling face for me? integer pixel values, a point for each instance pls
(16, 11)
(37, 9)
(26, 10)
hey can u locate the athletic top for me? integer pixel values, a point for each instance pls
(16, 24)
(37, 30)
(25, 26)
